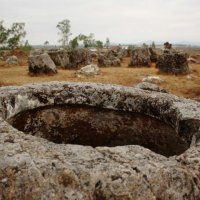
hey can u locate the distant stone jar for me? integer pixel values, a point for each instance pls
(12, 60)
(140, 57)
(41, 64)
(173, 62)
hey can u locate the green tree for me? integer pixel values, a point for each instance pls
(130, 47)
(99, 44)
(88, 41)
(153, 45)
(26, 47)
(74, 42)
(3, 34)
(64, 31)
(144, 45)
(46, 44)
(15, 35)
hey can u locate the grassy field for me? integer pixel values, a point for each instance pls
(180, 85)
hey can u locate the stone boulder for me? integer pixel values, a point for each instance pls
(167, 46)
(12, 60)
(140, 57)
(60, 57)
(192, 60)
(68, 59)
(173, 62)
(36, 164)
(152, 79)
(89, 70)
(41, 64)
(110, 58)
(196, 57)
(153, 55)
(102, 61)
(79, 58)
(150, 87)
(36, 52)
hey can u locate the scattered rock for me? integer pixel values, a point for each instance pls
(173, 62)
(152, 79)
(196, 57)
(12, 60)
(89, 70)
(41, 64)
(150, 87)
(192, 60)
(140, 57)
(191, 76)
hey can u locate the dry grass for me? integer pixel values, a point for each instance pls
(179, 85)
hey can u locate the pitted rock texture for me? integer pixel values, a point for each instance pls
(89, 70)
(150, 87)
(70, 58)
(59, 57)
(41, 64)
(173, 62)
(140, 57)
(110, 58)
(79, 58)
(89, 126)
(35, 168)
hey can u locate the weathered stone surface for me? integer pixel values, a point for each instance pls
(140, 57)
(59, 57)
(35, 168)
(79, 58)
(110, 58)
(167, 45)
(12, 60)
(102, 61)
(36, 52)
(196, 57)
(173, 62)
(86, 125)
(71, 58)
(150, 87)
(89, 70)
(41, 64)
(152, 79)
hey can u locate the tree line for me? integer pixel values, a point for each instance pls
(13, 37)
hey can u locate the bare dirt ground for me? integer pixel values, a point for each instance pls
(181, 85)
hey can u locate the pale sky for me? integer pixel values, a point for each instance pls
(123, 21)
